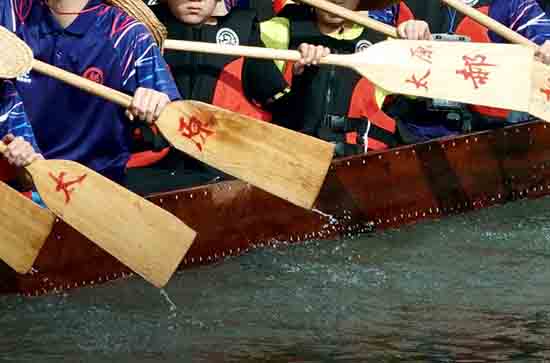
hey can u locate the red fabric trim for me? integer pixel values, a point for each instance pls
(376, 144)
(278, 5)
(146, 158)
(351, 138)
(288, 72)
(480, 34)
(469, 27)
(490, 111)
(363, 103)
(405, 13)
(229, 93)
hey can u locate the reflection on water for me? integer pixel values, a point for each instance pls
(472, 288)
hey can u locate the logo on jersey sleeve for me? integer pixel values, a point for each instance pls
(227, 36)
(25, 78)
(362, 45)
(94, 74)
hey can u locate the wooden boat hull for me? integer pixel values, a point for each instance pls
(361, 194)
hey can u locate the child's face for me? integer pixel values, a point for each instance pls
(333, 20)
(192, 11)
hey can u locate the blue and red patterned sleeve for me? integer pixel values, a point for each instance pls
(142, 62)
(13, 119)
(387, 16)
(523, 16)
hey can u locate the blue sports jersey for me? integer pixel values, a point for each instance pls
(103, 44)
(388, 15)
(523, 16)
(13, 119)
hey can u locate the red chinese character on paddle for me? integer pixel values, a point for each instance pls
(195, 128)
(474, 69)
(420, 83)
(546, 91)
(63, 185)
(423, 53)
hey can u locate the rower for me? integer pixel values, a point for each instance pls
(103, 44)
(335, 104)
(251, 87)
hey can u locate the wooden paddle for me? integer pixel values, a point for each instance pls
(283, 162)
(497, 75)
(539, 105)
(143, 236)
(355, 16)
(19, 62)
(24, 227)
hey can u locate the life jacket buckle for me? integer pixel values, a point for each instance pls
(336, 123)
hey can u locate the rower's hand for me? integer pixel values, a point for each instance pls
(147, 105)
(543, 53)
(311, 55)
(19, 152)
(414, 30)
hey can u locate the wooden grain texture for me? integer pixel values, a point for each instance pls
(290, 165)
(355, 16)
(24, 227)
(496, 75)
(20, 56)
(539, 103)
(146, 238)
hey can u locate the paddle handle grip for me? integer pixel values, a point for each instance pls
(353, 16)
(246, 51)
(82, 83)
(3, 147)
(489, 23)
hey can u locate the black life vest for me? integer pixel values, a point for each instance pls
(338, 105)
(545, 5)
(215, 79)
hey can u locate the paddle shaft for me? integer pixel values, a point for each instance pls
(82, 83)
(488, 22)
(247, 51)
(125, 101)
(353, 16)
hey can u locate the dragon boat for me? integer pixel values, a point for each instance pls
(361, 194)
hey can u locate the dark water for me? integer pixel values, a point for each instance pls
(472, 288)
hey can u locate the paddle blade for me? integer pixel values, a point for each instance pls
(285, 163)
(540, 91)
(20, 56)
(143, 236)
(24, 227)
(496, 75)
